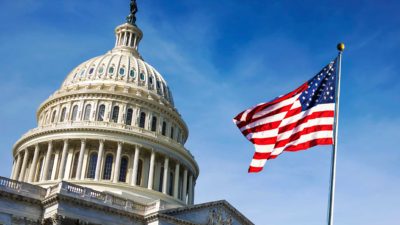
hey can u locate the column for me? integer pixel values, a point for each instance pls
(184, 188)
(165, 177)
(99, 158)
(190, 200)
(32, 171)
(23, 168)
(47, 162)
(130, 40)
(117, 163)
(80, 160)
(16, 172)
(176, 180)
(151, 171)
(13, 169)
(55, 165)
(135, 165)
(63, 160)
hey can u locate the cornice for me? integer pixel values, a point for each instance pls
(158, 216)
(57, 198)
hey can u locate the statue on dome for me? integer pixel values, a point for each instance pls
(132, 16)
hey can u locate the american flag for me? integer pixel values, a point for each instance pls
(296, 121)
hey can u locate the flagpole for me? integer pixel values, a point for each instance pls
(340, 47)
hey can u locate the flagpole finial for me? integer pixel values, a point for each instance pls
(340, 47)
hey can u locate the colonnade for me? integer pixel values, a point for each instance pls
(104, 161)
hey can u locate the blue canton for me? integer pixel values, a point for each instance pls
(321, 88)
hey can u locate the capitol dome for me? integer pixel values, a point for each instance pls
(111, 127)
(122, 66)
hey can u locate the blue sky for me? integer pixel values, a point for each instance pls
(221, 57)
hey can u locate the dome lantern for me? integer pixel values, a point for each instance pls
(128, 35)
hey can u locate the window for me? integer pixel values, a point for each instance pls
(122, 71)
(161, 181)
(75, 165)
(91, 71)
(115, 114)
(100, 114)
(111, 70)
(128, 120)
(132, 73)
(139, 173)
(108, 167)
(171, 183)
(83, 73)
(123, 169)
(101, 70)
(154, 123)
(180, 186)
(50, 169)
(142, 119)
(53, 116)
(88, 110)
(74, 113)
(164, 128)
(172, 133)
(142, 76)
(62, 117)
(151, 80)
(92, 165)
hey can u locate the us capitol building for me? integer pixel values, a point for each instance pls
(109, 149)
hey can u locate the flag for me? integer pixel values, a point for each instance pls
(296, 121)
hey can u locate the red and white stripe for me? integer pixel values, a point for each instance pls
(280, 125)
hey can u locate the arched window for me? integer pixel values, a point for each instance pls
(92, 165)
(123, 169)
(154, 123)
(171, 183)
(39, 169)
(74, 113)
(50, 169)
(62, 117)
(108, 167)
(100, 114)
(164, 128)
(128, 120)
(53, 116)
(88, 110)
(75, 165)
(139, 173)
(115, 113)
(161, 180)
(142, 119)
(172, 133)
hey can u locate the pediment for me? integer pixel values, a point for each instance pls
(211, 213)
